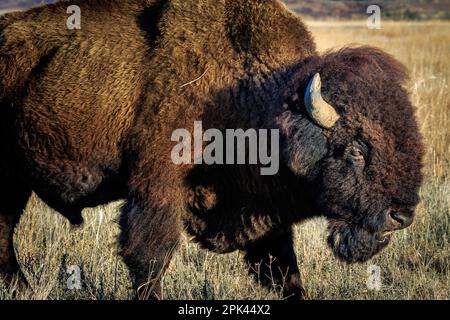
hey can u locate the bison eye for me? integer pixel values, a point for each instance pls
(357, 156)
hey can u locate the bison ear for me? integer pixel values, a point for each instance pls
(320, 111)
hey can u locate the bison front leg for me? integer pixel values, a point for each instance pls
(148, 239)
(273, 262)
(13, 199)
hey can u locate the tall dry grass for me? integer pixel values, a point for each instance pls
(415, 266)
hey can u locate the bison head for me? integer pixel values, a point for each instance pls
(350, 130)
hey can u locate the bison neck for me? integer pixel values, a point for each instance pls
(225, 63)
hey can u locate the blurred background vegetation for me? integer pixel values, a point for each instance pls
(391, 9)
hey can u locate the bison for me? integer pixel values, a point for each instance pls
(87, 116)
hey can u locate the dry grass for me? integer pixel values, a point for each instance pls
(415, 266)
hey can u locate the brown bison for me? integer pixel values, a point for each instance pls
(87, 117)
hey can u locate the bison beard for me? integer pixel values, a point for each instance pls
(353, 244)
(87, 117)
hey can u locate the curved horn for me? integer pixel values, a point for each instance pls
(318, 109)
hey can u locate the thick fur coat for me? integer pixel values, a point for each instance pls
(87, 117)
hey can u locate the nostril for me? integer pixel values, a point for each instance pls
(402, 219)
(397, 217)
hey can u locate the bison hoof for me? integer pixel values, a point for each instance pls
(296, 294)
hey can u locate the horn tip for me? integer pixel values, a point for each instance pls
(317, 82)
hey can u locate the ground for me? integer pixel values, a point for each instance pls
(415, 266)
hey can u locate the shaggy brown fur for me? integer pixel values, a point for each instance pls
(87, 117)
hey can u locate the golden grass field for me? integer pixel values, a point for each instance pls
(415, 266)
